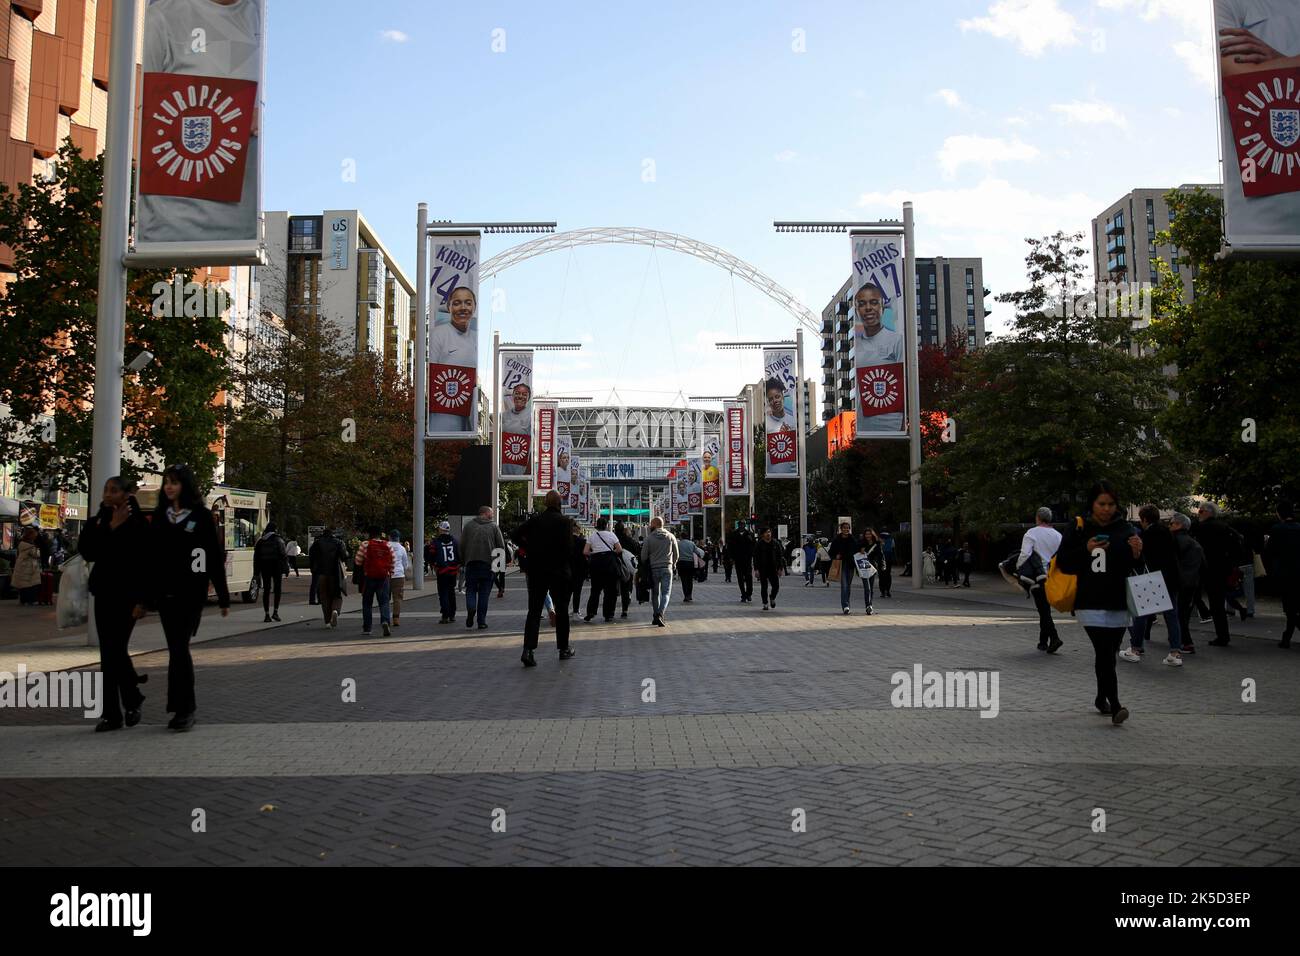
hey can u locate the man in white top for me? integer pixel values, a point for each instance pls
(401, 568)
(1042, 540)
(873, 344)
(778, 420)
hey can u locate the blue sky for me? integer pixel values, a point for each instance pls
(999, 120)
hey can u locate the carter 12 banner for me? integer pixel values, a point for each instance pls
(737, 436)
(780, 391)
(453, 337)
(880, 367)
(712, 461)
(516, 404)
(548, 414)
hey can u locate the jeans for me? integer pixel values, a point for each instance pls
(847, 573)
(479, 582)
(375, 587)
(1140, 629)
(447, 594)
(661, 589)
(866, 590)
(810, 569)
(1248, 587)
(1105, 645)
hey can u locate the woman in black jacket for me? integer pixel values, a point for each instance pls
(113, 542)
(186, 555)
(629, 547)
(870, 545)
(1102, 553)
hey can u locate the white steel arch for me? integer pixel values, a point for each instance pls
(631, 235)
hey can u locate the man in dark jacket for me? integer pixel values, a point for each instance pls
(1282, 561)
(740, 547)
(1191, 562)
(1221, 548)
(843, 547)
(270, 561)
(328, 560)
(1159, 553)
(547, 539)
(769, 560)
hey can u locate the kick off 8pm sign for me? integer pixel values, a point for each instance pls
(878, 344)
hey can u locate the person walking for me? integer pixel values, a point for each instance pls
(1159, 553)
(292, 551)
(842, 549)
(885, 567)
(1221, 550)
(659, 556)
(443, 555)
(547, 540)
(874, 550)
(686, 552)
(966, 561)
(715, 549)
(26, 578)
(1191, 564)
(1041, 542)
(375, 560)
(740, 546)
(629, 556)
(809, 562)
(769, 561)
(823, 562)
(604, 553)
(270, 562)
(402, 567)
(1282, 562)
(480, 542)
(727, 562)
(1102, 553)
(327, 559)
(185, 555)
(578, 566)
(114, 543)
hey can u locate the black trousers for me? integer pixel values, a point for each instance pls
(1186, 597)
(447, 594)
(1046, 626)
(625, 592)
(114, 624)
(726, 570)
(1216, 594)
(1291, 608)
(180, 621)
(1105, 645)
(745, 575)
(604, 584)
(538, 587)
(577, 594)
(886, 579)
(686, 574)
(766, 578)
(270, 579)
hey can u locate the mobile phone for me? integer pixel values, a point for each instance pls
(1102, 537)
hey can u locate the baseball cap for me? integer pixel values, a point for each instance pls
(444, 526)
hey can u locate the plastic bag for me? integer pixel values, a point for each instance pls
(74, 593)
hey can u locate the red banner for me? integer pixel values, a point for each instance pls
(451, 390)
(544, 480)
(1264, 108)
(880, 389)
(782, 447)
(515, 449)
(736, 447)
(194, 136)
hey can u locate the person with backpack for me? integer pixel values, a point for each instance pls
(443, 555)
(270, 563)
(375, 559)
(1282, 562)
(1191, 563)
(1159, 553)
(1101, 553)
(604, 553)
(768, 561)
(480, 542)
(327, 559)
(1040, 544)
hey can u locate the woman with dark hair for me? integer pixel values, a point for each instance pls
(184, 547)
(1102, 549)
(114, 541)
(630, 552)
(874, 549)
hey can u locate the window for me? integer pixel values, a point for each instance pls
(970, 278)
(1151, 210)
(934, 303)
(931, 280)
(970, 299)
(304, 234)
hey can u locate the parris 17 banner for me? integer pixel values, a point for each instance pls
(199, 182)
(453, 336)
(878, 346)
(711, 459)
(548, 414)
(780, 390)
(516, 404)
(1260, 122)
(738, 437)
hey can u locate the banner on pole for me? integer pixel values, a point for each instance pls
(711, 459)
(548, 414)
(879, 356)
(695, 486)
(739, 437)
(780, 391)
(454, 337)
(576, 477)
(516, 402)
(563, 467)
(200, 148)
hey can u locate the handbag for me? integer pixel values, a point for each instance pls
(74, 593)
(626, 567)
(866, 570)
(1147, 594)
(1260, 571)
(1061, 588)
(836, 567)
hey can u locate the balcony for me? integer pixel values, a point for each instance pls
(1117, 263)
(846, 345)
(1116, 226)
(846, 364)
(1115, 245)
(828, 345)
(828, 361)
(828, 326)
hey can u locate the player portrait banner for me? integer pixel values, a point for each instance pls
(576, 478)
(453, 337)
(563, 466)
(738, 435)
(879, 358)
(198, 192)
(516, 404)
(712, 474)
(695, 486)
(1260, 124)
(780, 388)
(548, 416)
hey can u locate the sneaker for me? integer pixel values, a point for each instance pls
(1128, 655)
(1206, 620)
(275, 616)
(1055, 645)
(773, 604)
(871, 611)
(387, 630)
(846, 610)
(334, 619)
(1119, 716)
(469, 622)
(764, 607)
(267, 619)
(1173, 660)
(1042, 645)
(482, 627)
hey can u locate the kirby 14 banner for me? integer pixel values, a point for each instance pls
(780, 392)
(1260, 123)
(198, 191)
(879, 357)
(548, 416)
(711, 459)
(453, 337)
(738, 437)
(516, 404)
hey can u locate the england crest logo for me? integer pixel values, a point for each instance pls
(195, 136)
(514, 449)
(450, 390)
(1285, 127)
(196, 133)
(881, 388)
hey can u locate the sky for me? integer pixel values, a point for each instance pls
(997, 120)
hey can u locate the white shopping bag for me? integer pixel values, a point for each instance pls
(866, 570)
(1148, 595)
(74, 593)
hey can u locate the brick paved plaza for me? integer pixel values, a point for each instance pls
(755, 715)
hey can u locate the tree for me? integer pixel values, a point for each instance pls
(1053, 406)
(47, 343)
(1236, 353)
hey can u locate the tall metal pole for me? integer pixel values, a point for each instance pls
(421, 385)
(913, 390)
(753, 478)
(496, 418)
(110, 323)
(803, 437)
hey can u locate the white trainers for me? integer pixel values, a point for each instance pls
(1128, 655)
(764, 607)
(1174, 660)
(846, 610)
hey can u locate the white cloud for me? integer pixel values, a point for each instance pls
(785, 156)
(1093, 113)
(1197, 22)
(1198, 56)
(395, 36)
(1034, 25)
(982, 151)
(951, 98)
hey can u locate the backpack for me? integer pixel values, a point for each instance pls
(378, 562)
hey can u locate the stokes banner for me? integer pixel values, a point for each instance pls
(199, 182)
(516, 402)
(780, 391)
(1258, 62)
(548, 414)
(878, 346)
(739, 435)
(711, 459)
(453, 338)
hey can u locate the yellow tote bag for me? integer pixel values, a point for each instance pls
(1060, 587)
